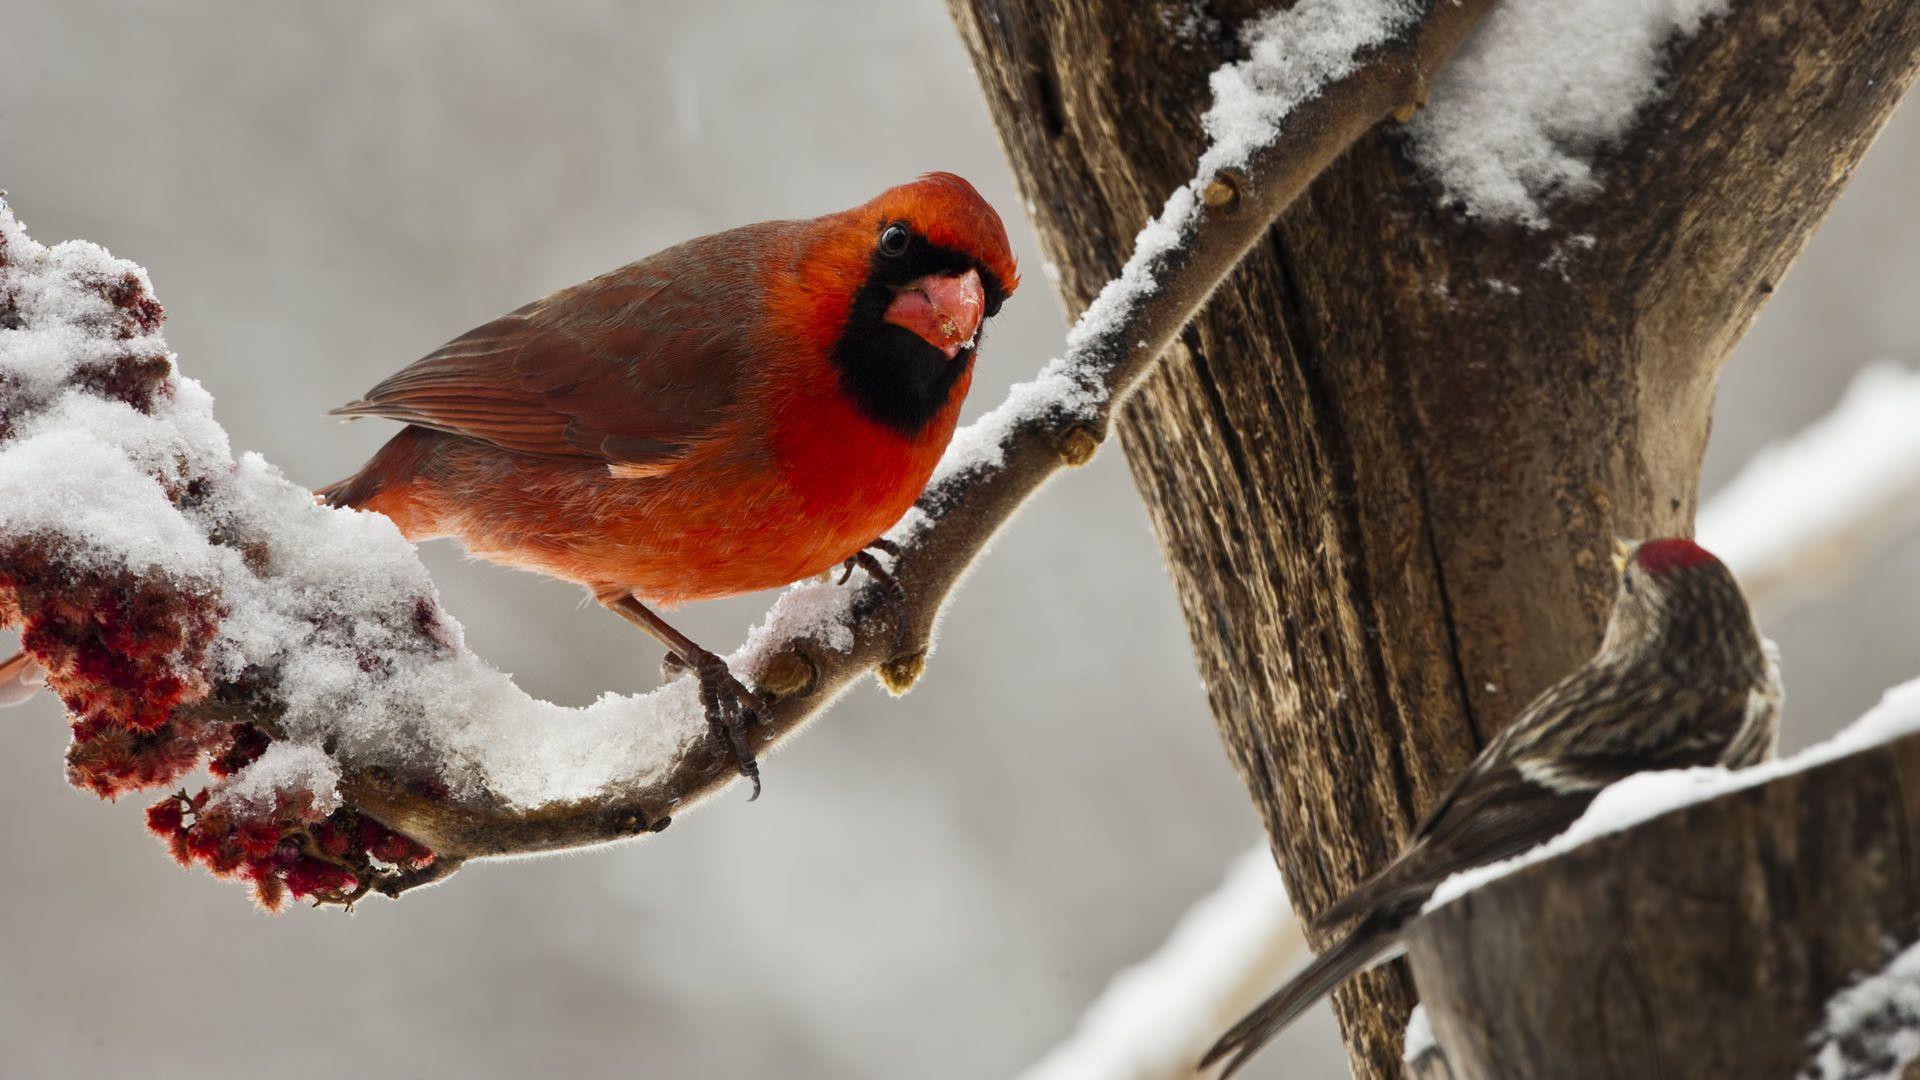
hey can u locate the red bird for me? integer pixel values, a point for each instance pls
(735, 413)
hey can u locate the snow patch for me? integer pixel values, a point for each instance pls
(285, 767)
(1291, 56)
(1419, 1037)
(1872, 1028)
(1515, 118)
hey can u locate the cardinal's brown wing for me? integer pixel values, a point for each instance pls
(631, 368)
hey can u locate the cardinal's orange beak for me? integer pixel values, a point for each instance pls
(944, 309)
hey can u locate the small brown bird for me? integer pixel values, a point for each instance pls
(1682, 678)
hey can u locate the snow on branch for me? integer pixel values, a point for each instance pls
(189, 605)
(1872, 1028)
(1157, 1017)
(1806, 510)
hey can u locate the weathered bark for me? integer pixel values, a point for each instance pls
(1705, 942)
(1386, 463)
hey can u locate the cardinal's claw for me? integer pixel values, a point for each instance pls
(730, 707)
(731, 710)
(897, 592)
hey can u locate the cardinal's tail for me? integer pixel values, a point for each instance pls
(388, 473)
(21, 677)
(1364, 943)
(355, 490)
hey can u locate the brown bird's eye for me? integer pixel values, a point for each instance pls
(893, 240)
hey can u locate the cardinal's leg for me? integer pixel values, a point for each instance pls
(731, 707)
(864, 560)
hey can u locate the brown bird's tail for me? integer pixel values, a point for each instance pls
(1407, 880)
(1362, 945)
(20, 679)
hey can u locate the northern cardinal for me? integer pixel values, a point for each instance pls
(738, 412)
(1682, 678)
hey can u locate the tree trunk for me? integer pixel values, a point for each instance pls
(1387, 463)
(1702, 943)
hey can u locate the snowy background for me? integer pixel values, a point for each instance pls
(935, 887)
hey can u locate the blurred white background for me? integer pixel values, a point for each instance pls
(930, 888)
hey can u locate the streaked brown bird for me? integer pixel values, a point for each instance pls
(1682, 678)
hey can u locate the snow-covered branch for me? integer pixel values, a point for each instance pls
(1810, 508)
(190, 604)
(1645, 796)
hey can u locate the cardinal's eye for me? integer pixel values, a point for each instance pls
(894, 239)
(1626, 583)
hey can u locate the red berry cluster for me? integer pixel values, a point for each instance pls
(127, 653)
(289, 850)
(123, 653)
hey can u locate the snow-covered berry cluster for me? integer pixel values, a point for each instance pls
(283, 841)
(117, 565)
(191, 605)
(124, 654)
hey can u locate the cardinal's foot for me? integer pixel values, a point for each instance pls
(731, 710)
(865, 560)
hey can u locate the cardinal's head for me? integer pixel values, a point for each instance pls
(901, 287)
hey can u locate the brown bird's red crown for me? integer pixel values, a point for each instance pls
(1658, 557)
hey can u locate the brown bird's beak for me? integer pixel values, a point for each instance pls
(943, 309)
(1622, 551)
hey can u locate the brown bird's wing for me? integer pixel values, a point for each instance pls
(1490, 814)
(1497, 815)
(632, 368)
(1540, 774)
